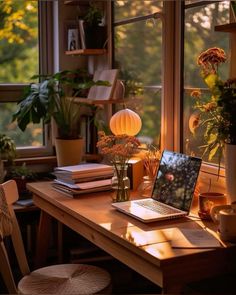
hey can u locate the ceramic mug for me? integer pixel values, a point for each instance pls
(225, 217)
(207, 200)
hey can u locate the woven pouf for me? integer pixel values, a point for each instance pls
(66, 279)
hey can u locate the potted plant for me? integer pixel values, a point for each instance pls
(55, 98)
(216, 113)
(21, 174)
(7, 152)
(95, 31)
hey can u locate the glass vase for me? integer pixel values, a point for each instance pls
(146, 186)
(120, 184)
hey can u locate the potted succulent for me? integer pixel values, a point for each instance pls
(7, 152)
(54, 98)
(94, 28)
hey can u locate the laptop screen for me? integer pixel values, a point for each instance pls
(176, 179)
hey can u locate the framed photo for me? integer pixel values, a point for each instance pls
(73, 39)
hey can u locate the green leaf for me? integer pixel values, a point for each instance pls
(211, 80)
(213, 151)
(212, 138)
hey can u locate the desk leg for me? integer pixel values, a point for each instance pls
(44, 232)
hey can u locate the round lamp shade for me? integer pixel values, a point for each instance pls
(125, 122)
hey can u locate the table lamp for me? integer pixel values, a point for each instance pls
(126, 122)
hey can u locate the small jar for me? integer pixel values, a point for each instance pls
(146, 186)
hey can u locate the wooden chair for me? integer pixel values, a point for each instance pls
(59, 279)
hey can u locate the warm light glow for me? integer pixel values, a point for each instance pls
(125, 122)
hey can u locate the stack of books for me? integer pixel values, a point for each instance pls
(83, 178)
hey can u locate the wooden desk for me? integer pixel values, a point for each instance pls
(138, 245)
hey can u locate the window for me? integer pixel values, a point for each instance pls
(138, 54)
(200, 20)
(23, 24)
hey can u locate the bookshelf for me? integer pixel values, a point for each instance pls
(97, 101)
(227, 28)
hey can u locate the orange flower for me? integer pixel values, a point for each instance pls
(196, 93)
(118, 148)
(210, 106)
(211, 59)
(194, 121)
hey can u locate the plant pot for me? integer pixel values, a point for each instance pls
(230, 172)
(95, 37)
(21, 183)
(69, 151)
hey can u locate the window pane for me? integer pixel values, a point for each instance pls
(19, 61)
(138, 55)
(32, 136)
(199, 36)
(18, 41)
(125, 9)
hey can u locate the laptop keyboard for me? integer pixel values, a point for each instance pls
(157, 207)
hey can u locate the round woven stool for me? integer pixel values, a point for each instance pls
(66, 279)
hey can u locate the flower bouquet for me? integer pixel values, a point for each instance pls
(119, 149)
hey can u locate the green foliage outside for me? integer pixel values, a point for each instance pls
(18, 61)
(137, 46)
(18, 41)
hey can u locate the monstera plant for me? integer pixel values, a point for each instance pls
(55, 98)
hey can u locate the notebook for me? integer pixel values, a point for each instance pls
(172, 193)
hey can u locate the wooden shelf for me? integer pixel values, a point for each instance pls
(86, 52)
(97, 101)
(230, 28)
(76, 2)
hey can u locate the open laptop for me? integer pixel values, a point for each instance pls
(172, 193)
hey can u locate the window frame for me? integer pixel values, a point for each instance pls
(12, 92)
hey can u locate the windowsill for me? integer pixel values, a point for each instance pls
(37, 160)
(53, 159)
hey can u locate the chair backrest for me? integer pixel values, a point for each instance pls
(11, 194)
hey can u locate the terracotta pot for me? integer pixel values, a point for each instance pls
(69, 151)
(230, 172)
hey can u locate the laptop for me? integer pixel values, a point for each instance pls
(172, 192)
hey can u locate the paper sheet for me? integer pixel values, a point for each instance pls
(193, 238)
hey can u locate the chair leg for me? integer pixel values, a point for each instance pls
(5, 270)
(43, 239)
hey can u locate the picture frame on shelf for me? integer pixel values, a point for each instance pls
(71, 31)
(73, 39)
